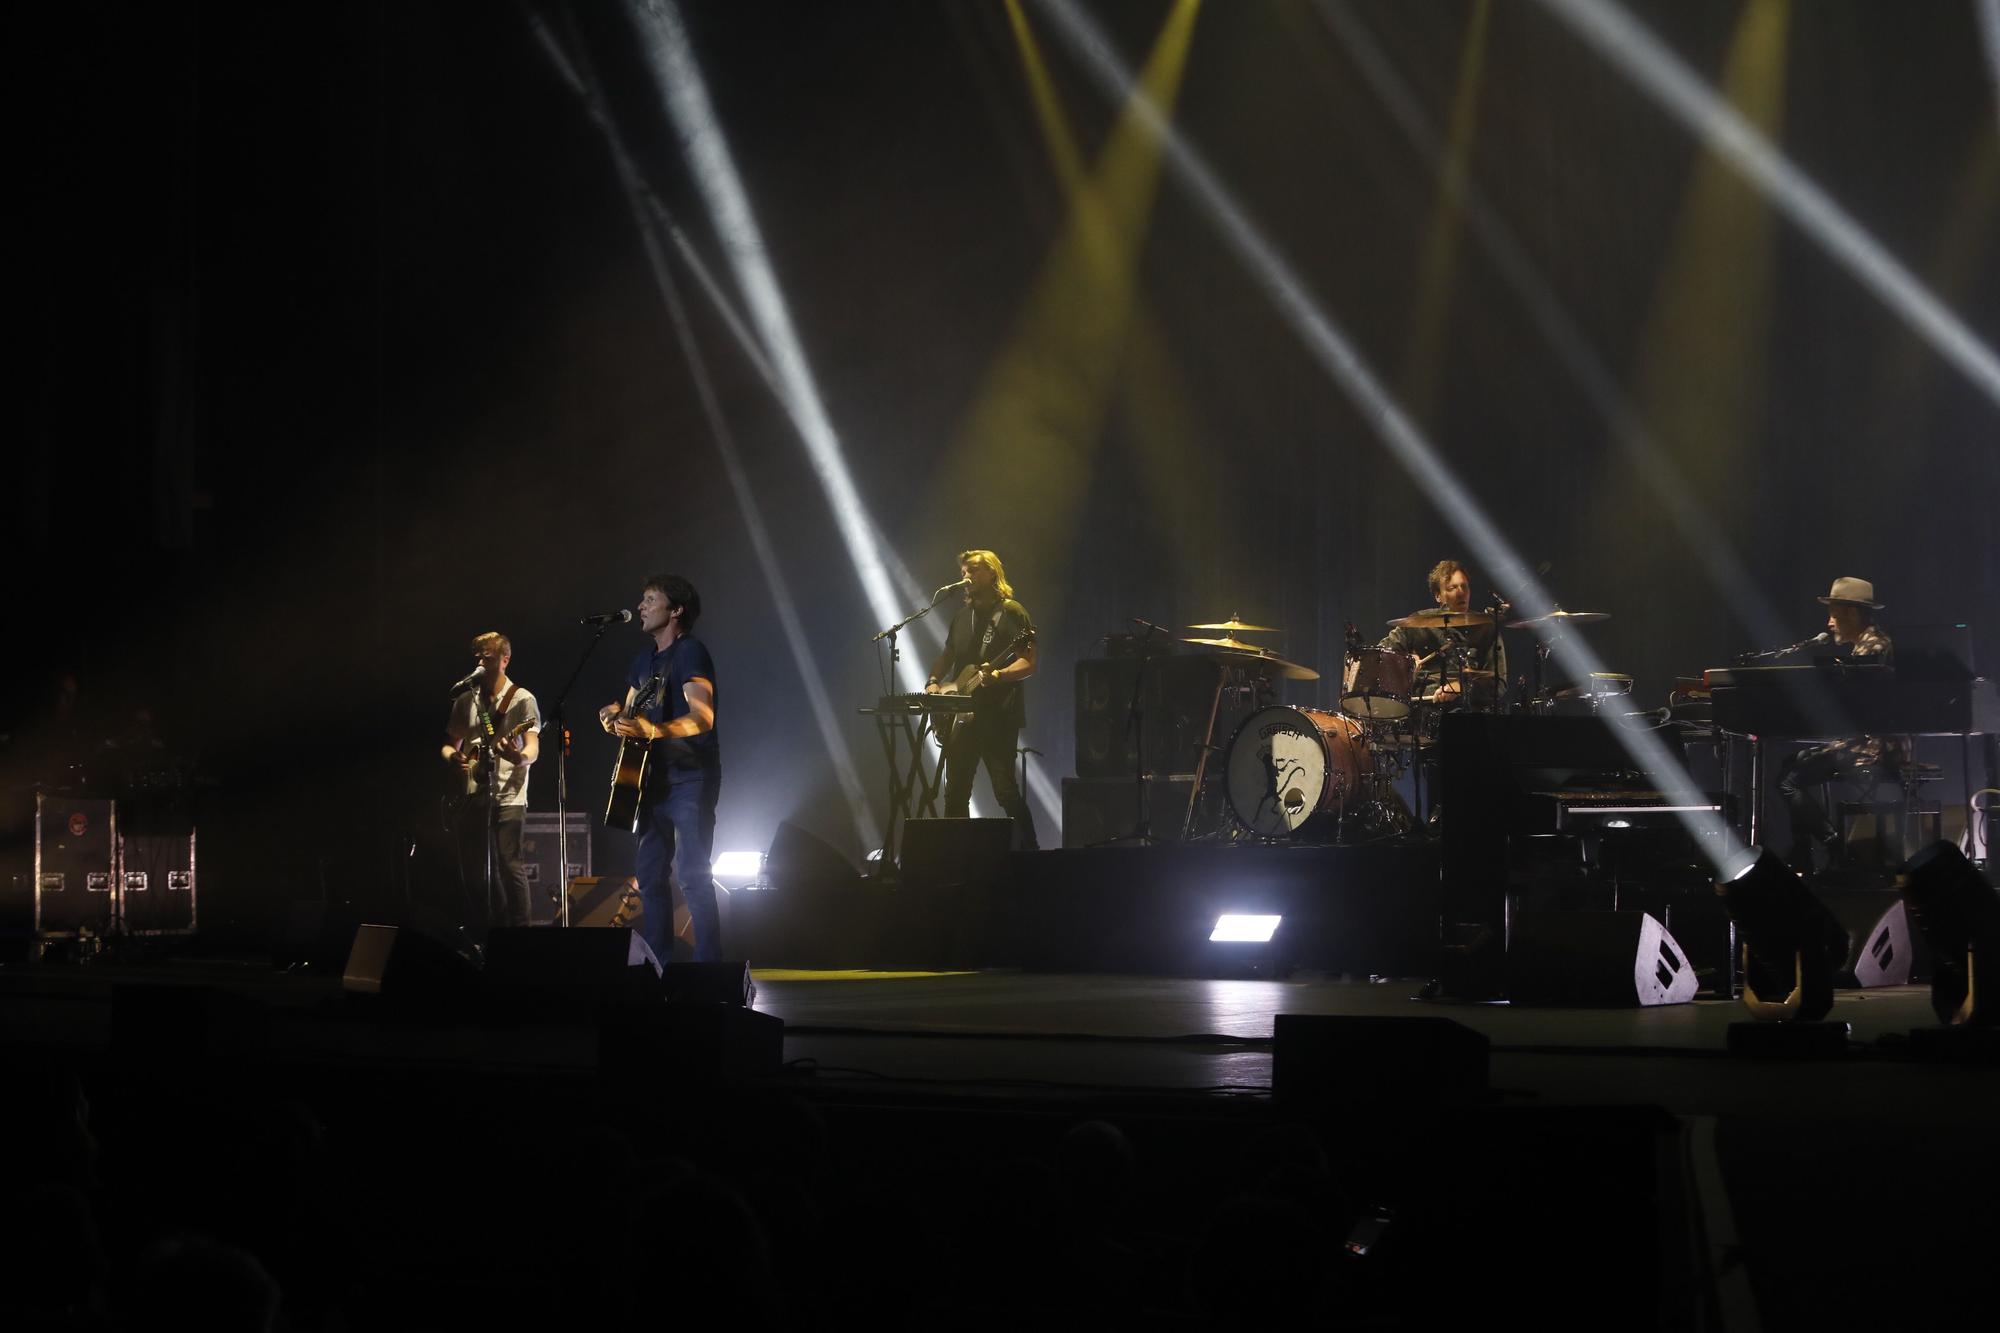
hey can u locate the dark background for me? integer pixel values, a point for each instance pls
(341, 346)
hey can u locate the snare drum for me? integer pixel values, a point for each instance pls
(1376, 685)
(1287, 767)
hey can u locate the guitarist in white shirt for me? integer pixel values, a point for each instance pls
(492, 736)
(676, 812)
(988, 652)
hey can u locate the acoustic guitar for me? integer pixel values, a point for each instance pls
(628, 775)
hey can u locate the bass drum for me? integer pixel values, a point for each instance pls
(1288, 767)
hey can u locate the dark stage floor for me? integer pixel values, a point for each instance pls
(1789, 1171)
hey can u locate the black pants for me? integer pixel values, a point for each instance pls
(1800, 776)
(504, 902)
(988, 739)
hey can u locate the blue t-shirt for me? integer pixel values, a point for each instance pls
(684, 659)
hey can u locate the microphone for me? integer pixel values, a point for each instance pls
(1148, 626)
(1824, 636)
(951, 587)
(608, 618)
(471, 679)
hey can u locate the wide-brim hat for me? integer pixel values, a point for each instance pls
(1855, 592)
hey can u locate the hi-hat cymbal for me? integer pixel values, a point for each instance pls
(1560, 618)
(1235, 644)
(1437, 617)
(1232, 625)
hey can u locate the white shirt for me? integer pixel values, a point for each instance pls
(465, 725)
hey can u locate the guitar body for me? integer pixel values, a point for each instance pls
(628, 775)
(462, 787)
(962, 683)
(628, 779)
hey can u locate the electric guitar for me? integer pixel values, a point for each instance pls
(481, 752)
(628, 775)
(961, 684)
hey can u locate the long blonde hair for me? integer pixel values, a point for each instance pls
(988, 560)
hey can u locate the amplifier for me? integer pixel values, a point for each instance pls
(540, 844)
(1174, 697)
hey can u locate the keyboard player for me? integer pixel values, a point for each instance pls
(1850, 623)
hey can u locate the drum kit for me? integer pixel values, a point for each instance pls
(1300, 773)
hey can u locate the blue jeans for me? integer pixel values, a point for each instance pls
(677, 834)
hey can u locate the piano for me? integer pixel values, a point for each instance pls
(1825, 701)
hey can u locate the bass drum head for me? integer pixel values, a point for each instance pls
(1280, 774)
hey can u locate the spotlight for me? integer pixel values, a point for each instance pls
(738, 870)
(1234, 929)
(1959, 914)
(1790, 940)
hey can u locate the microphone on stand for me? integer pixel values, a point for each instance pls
(951, 587)
(1148, 626)
(471, 679)
(608, 618)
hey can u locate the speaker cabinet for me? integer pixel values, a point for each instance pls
(398, 963)
(1615, 959)
(1173, 700)
(1880, 950)
(1098, 810)
(581, 963)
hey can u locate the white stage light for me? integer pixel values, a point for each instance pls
(1647, 61)
(738, 865)
(1234, 929)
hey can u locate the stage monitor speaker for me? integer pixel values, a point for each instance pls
(396, 962)
(588, 963)
(1880, 950)
(710, 983)
(1320, 1060)
(955, 853)
(605, 900)
(1618, 959)
(800, 861)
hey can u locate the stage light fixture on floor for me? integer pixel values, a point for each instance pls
(1959, 914)
(738, 870)
(1236, 929)
(1789, 939)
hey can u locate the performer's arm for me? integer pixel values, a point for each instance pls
(610, 713)
(939, 667)
(700, 716)
(1019, 669)
(453, 749)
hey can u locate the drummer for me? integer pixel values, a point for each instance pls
(1476, 647)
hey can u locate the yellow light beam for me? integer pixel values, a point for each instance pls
(1022, 459)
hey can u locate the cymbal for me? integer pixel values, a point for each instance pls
(1437, 617)
(1560, 618)
(1290, 670)
(1251, 652)
(1232, 625)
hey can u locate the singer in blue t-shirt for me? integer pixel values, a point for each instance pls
(683, 770)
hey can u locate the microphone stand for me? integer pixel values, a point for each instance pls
(896, 655)
(562, 773)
